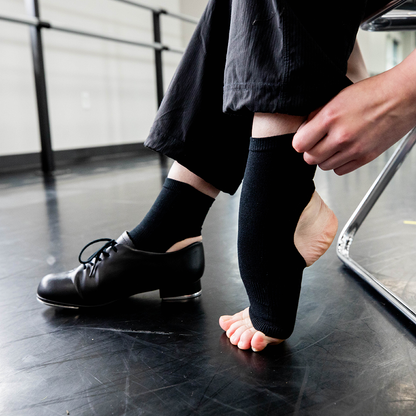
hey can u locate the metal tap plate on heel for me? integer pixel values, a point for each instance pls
(182, 292)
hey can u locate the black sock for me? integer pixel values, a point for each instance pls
(277, 186)
(178, 213)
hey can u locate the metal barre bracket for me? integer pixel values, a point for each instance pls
(43, 24)
(397, 15)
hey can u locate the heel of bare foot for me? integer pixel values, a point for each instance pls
(316, 230)
(184, 243)
(242, 333)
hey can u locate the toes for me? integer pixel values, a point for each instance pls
(260, 341)
(235, 338)
(225, 322)
(241, 332)
(245, 339)
(233, 328)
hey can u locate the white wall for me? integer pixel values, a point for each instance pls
(191, 8)
(100, 93)
(377, 48)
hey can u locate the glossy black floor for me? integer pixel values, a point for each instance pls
(350, 354)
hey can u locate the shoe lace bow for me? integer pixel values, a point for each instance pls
(96, 257)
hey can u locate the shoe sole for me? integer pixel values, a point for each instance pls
(182, 298)
(67, 306)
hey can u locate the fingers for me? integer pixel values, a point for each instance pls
(310, 133)
(342, 164)
(333, 151)
(354, 164)
(339, 163)
(348, 167)
(340, 157)
(331, 159)
(330, 152)
(320, 153)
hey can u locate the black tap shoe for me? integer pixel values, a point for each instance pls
(118, 271)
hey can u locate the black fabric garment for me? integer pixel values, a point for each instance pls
(178, 213)
(190, 126)
(246, 56)
(278, 185)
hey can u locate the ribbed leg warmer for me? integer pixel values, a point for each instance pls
(278, 185)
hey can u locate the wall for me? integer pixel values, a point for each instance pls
(100, 93)
(377, 48)
(192, 8)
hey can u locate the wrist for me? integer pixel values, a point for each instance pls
(398, 88)
(404, 77)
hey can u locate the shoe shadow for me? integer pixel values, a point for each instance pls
(144, 313)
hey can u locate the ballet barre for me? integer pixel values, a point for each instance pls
(37, 25)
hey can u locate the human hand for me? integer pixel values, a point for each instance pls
(361, 122)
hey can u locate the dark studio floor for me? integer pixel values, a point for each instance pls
(350, 354)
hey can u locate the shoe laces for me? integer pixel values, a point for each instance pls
(95, 258)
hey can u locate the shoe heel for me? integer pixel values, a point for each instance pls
(181, 292)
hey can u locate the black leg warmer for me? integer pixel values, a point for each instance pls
(278, 184)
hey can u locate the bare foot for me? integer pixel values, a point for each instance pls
(314, 234)
(241, 332)
(184, 243)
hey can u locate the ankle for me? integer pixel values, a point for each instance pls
(273, 124)
(181, 174)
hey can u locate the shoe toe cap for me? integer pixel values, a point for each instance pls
(59, 289)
